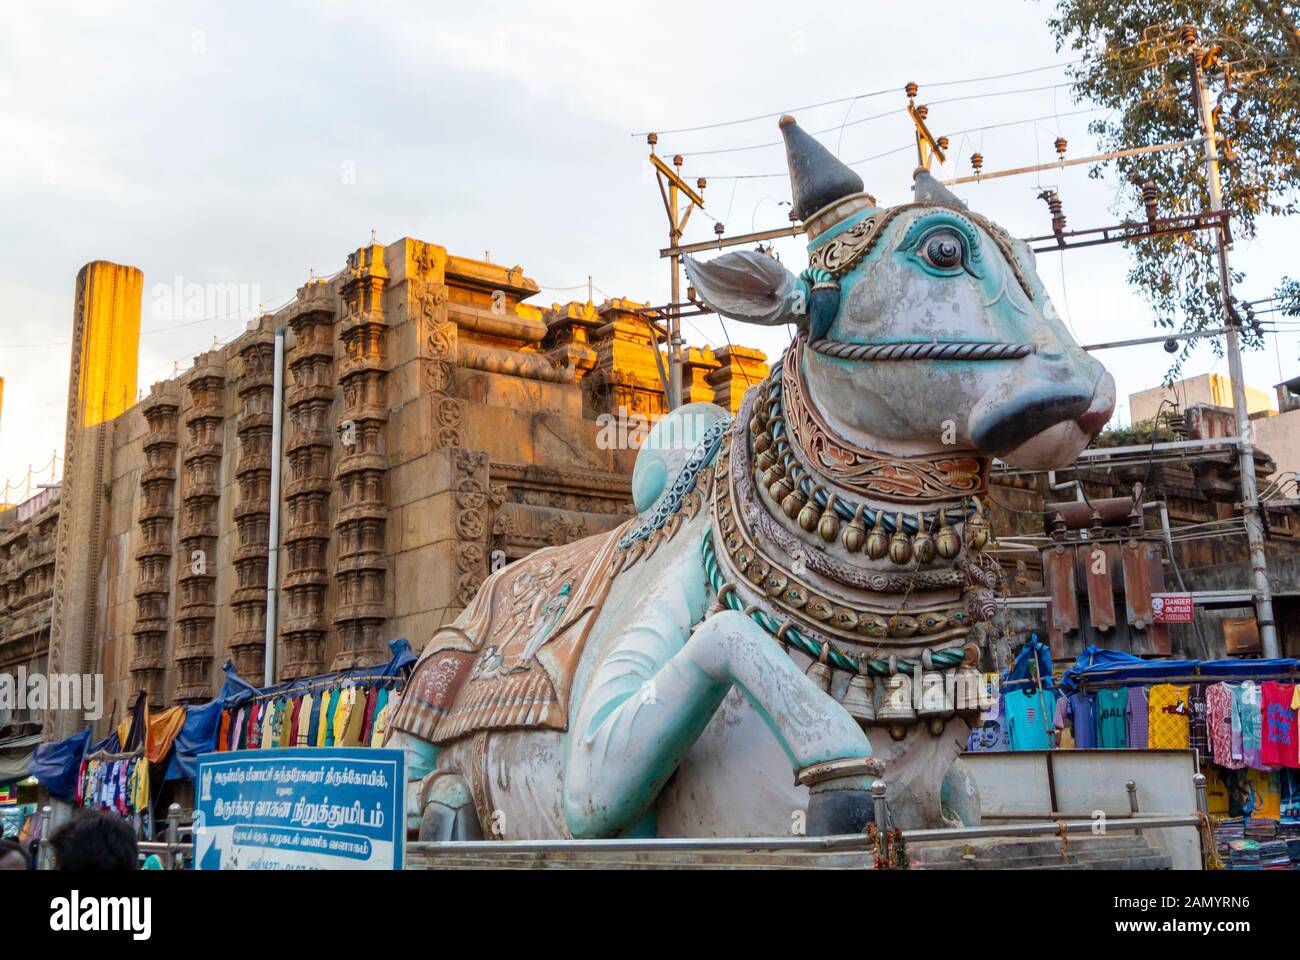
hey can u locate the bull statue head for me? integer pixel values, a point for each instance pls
(925, 323)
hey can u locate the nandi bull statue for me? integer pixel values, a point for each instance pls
(740, 659)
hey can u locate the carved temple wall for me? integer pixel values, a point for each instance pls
(435, 422)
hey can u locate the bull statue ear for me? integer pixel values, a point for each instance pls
(751, 287)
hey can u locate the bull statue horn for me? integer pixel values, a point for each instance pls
(817, 177)
(926, 189)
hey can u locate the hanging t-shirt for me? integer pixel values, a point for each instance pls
(1137, 717)
(1290, 795)
(1278, 734)
(1112, 717)
(1216, 791)
(1169, 717)
(1029, 714)
(302, 735)
(1062, 722)
(1248, 721)
(1085, 721)
(1265, 794)
(1219, 724)
(1200, 736)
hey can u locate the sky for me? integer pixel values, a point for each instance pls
(238, 147)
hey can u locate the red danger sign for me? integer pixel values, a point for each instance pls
(1172, 608)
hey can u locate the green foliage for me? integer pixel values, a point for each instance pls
(1134, 61)
(1144, 431)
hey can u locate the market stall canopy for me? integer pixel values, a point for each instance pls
(1113, 667)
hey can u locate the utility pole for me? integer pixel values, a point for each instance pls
(672, 187)
(1250, 509)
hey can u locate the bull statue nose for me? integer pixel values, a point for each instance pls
(1102, 406)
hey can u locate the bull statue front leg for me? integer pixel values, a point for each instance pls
(657, 687)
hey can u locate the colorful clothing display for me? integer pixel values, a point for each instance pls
(1029, 714)
(1219, 711)
(1278, 725)
(1137, 717)
(1246, 722)
(1112, 717)
(1168, 717)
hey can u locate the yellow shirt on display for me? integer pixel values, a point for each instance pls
(1169, 717)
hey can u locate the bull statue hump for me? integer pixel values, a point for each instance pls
(805, 594)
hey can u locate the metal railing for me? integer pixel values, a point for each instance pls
(844, 843)
(173, 850)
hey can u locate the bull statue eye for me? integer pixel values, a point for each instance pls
(943, 250)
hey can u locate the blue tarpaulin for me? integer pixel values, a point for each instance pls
(56, 765)
(1095, 664)
(197, 735)
(1022, 671)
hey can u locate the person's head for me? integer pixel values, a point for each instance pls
(12, 856)
(94, 840)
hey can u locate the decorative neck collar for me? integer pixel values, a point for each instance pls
(850, 470)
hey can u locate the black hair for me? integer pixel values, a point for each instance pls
(13, 846)
(94, 840)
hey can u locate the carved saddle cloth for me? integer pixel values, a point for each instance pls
(509, 659)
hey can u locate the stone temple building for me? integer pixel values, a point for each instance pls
(435, 424)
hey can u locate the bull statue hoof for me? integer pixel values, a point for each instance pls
(804, 586)
(839, 796)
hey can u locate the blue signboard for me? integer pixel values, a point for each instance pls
(300, 809)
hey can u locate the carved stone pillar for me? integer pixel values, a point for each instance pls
(310, 401)
(157, 513)
(200, 528)
(253, 512)
(360, 569)
(101, 385)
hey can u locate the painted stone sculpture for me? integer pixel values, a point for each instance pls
(805, 585)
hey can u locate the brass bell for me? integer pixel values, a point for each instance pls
(820, 671)
(808, 514)
(828, 525)
(896, 709)
(936, 703)
(860, 698)
(771, 475)
(877, 540)
(946, 542)
(923, 543)
(855, 533)
(793, 503)
(900, 544)
(765, 460)
(762, 443)
(779, 488)
(972, 694)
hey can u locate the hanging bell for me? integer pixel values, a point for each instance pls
(828, 525)
(860, 696)
(946, 542)
(765, 460)
(877, 539)
(936, 702)
(779, 488)
(923, 542)
(855, 532)
(794, 502)
(900, 544)
(896, 709)
(762, 443)
(820, 671)
(973, 696)
(808, 514)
